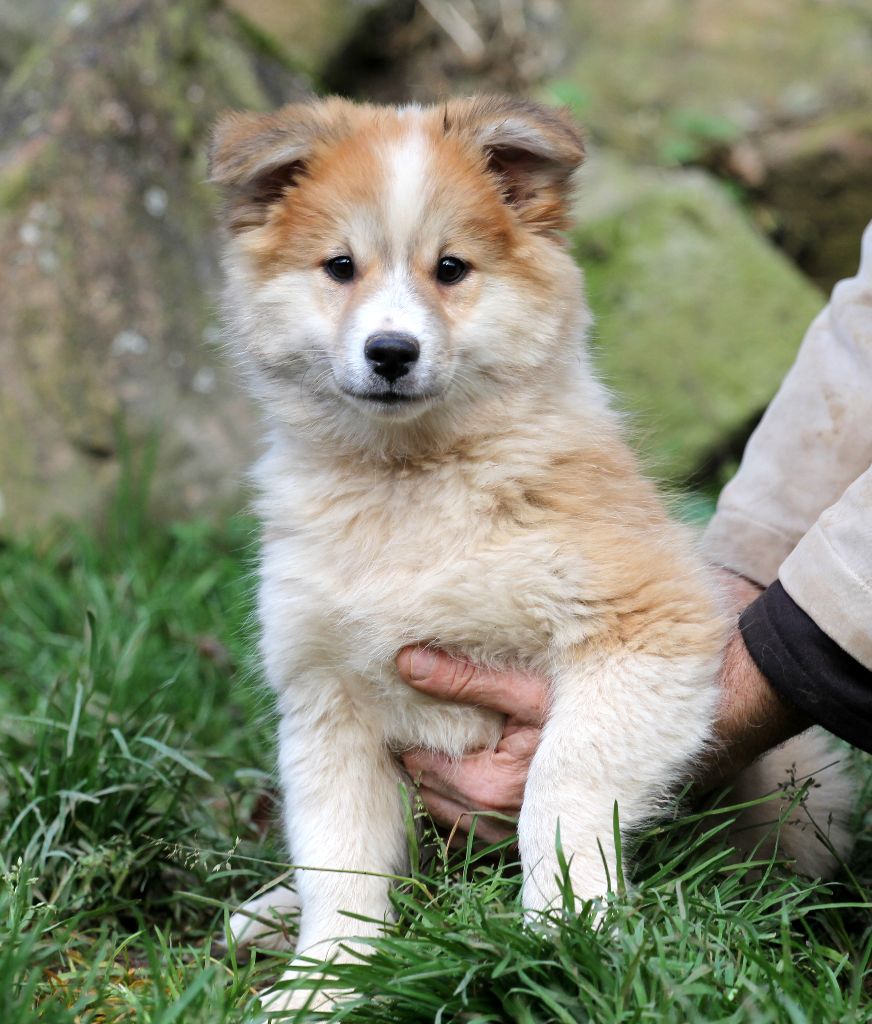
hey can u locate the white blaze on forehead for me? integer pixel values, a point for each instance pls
(395, 304)
(408, 171)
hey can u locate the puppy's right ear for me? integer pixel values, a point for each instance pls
(256, 158)
(532, 150)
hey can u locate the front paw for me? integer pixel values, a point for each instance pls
(550, 886)
(264, 921)
(551, 889)
(301, 990)
(279, 1003)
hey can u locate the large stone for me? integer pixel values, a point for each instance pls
(698, 316)
(400, 50)
(773, 94)
(675, 76)
(813, 188)
(108, 243)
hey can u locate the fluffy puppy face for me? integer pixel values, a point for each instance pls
(390, 269)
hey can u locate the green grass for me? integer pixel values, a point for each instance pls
(136, 767)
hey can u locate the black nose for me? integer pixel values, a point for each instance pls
(391, 354)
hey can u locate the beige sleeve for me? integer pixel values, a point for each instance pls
(829, 573)
(814, 441)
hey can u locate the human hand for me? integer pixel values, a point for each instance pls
(487, 781)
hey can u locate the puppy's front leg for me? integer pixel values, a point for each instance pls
(343, 815)
(621, 728)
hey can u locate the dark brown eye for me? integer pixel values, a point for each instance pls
(340, 268)
(450, 270)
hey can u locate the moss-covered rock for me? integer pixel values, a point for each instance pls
(661, 79)
(775, 95)
(108, 240)
(698, 316)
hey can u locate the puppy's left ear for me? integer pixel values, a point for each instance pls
(532, 149)
(256, 158)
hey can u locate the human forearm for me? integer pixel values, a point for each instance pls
(752, 718)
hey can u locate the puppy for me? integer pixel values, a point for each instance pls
(442, 466)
